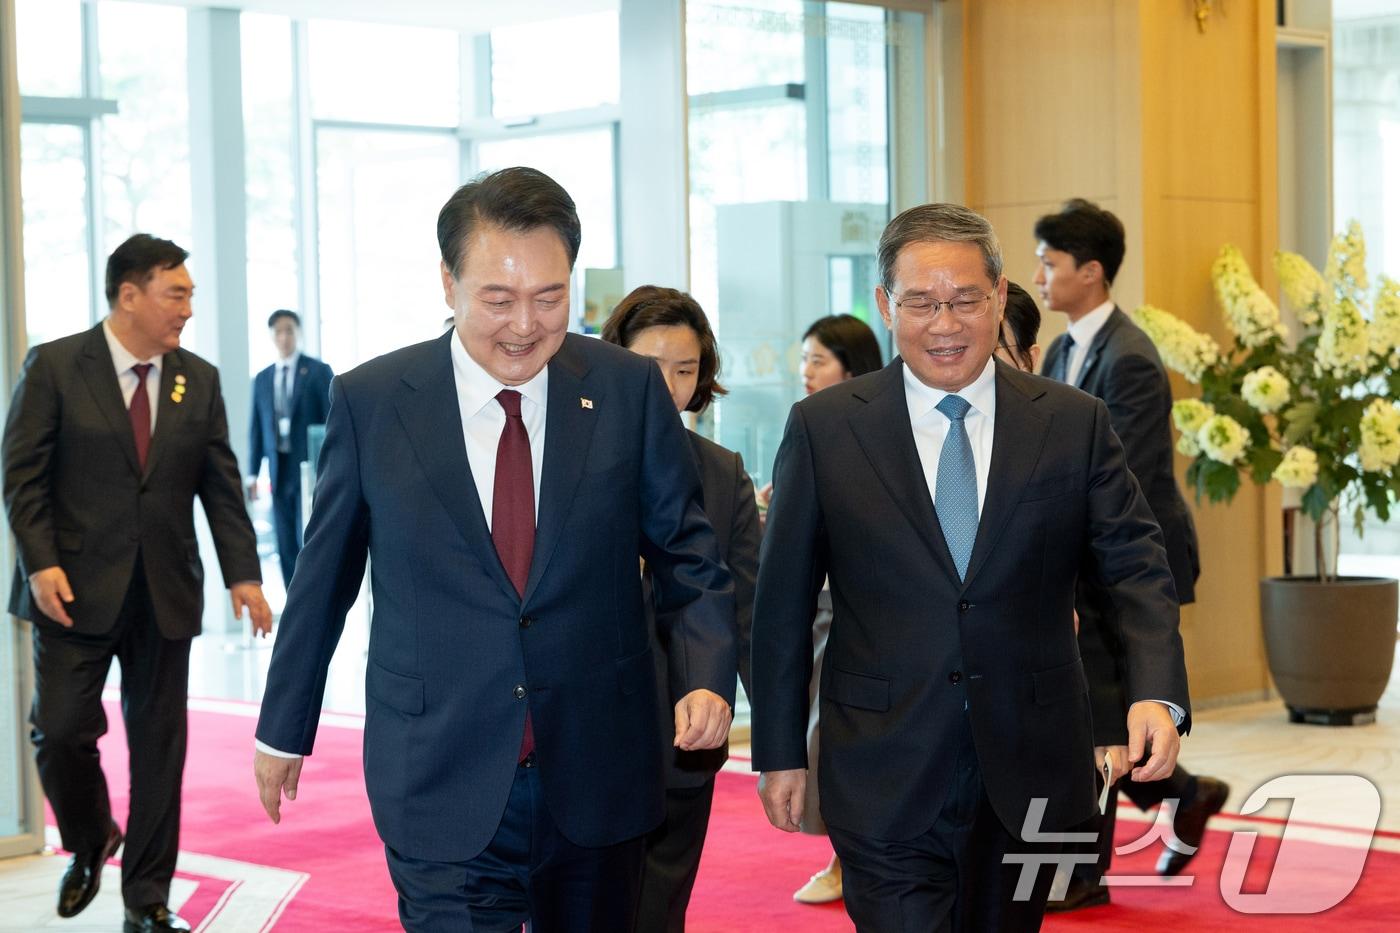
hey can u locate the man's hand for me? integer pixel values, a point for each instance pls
(259, 613)
(783, 793)
(51, 590)
(1150, 721)
(1118, 756)
(275, 775)
(702, 720)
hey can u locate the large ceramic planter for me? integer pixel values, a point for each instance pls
(1330, 645)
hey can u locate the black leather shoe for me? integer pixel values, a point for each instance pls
(154, 919)
(1078, 895)
(1190, 823)
(84, 875)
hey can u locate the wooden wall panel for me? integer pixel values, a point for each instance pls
(1175, 131)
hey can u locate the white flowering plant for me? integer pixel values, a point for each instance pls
(1313, 413)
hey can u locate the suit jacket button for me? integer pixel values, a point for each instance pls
(964, 606)
(526, 621)
(955, 677)
(519, 691)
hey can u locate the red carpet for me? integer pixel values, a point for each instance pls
(746, 878)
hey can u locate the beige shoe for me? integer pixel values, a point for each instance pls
(824, 888)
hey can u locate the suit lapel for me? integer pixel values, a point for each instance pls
(431, 416)
(883, 430)
(568, 431)
(100, 375)
(298, 384)
(169, 413)
(1017, 439)
(1097, 344)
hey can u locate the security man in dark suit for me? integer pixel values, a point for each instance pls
(288, 397)
(111, 435)
(1104, 353)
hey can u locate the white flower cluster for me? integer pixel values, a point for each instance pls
(1384, 332)
(1223, 439)
(1303, 285)
(1342, 348)
(1189, 415)
(1298, 470)
(1183, 348)
(1346, 263)
(1266, 389)
(1250, 313)
(1380, 436)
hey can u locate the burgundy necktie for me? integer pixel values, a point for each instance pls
(140, 411)
(513, 511)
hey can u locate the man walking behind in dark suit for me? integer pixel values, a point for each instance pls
(952, 500)
(288, 397)
(512, 755)
(110, 436)
(1107, 355)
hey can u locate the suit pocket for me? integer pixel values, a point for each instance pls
(634, 672)
(1060, 683)
(859, 690)
(400, 691)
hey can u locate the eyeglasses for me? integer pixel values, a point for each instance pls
(922, 307)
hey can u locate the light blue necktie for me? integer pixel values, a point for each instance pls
(955, 491)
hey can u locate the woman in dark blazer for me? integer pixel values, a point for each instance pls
(670, 327)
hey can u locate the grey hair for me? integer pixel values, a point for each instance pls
(931, 223)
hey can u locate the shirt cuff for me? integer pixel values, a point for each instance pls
(1178, 714)
(269, 750)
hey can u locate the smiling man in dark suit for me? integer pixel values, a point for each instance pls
(288, 397)
(512, 757)
(1080, 249)
(111, 434)
(952, 500)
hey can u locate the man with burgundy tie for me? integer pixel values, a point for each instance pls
(288, 397)
(110, 435)
(504, 480)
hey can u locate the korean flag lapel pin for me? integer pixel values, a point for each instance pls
(585, 403)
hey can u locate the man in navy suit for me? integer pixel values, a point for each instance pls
(512, 758)
(288, 397)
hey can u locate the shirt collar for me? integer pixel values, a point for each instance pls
(122, 358)
(980, 394)
(476, 387)
(1083, 331)
(291, 361)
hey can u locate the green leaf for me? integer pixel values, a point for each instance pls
(1262, 463)
(1219, 481)
(1300, 420)
(1315, 502)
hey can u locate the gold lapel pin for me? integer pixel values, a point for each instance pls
(180, 380)
(586, 403)
(177, 397)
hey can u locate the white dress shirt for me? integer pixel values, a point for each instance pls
(1083, 332)
(931, 425)
(123, 360)
(483, 419)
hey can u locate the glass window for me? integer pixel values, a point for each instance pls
(583, 163)
(374, 73)
(560, 64)
(270, 180)
(738, 44)
(790, 185)
(146, 145)
(380, 288)
(57, 276)
(50, 47)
